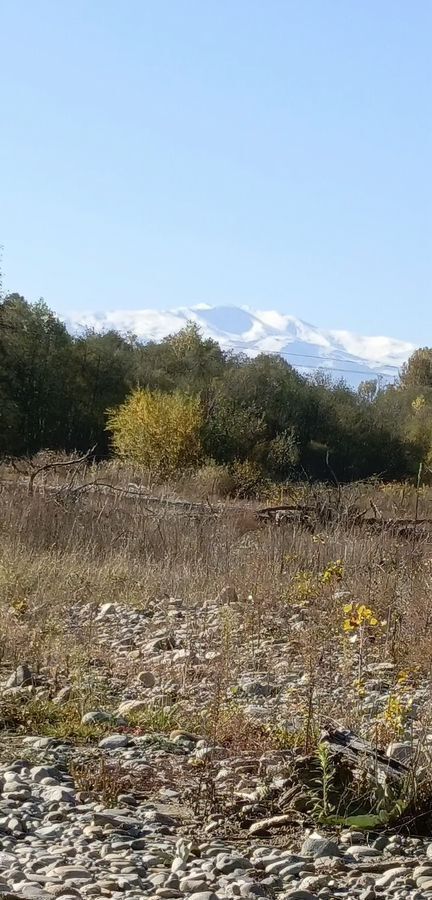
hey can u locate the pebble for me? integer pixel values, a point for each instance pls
(58, 841)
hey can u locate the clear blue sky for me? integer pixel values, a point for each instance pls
(263, 152)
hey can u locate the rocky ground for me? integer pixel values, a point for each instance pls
(129, 809)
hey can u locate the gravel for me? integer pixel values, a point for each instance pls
(145, 831)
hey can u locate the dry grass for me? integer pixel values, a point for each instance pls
(61, 551)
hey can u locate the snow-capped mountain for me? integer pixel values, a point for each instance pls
(307, 348)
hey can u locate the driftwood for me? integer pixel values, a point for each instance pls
(152, 505)
(345, 743)
(313, 516)
(31, 471)
(310, 517)
(319, 513)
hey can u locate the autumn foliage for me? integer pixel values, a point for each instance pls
(159, 431)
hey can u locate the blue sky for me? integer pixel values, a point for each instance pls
(170, 152)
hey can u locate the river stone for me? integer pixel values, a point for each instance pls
(22, 677)
(226, 863)
(295, 868)
(263, 825)
(95, 717)
(131, 706)
(147, 679)
(114, 742)
(298, 894)
(317, 845)
(422, 871)
(106, 610)
(384, 880)
(57, 794)
(38, 773)
(70, 873)
(361, 851)
(63, 695)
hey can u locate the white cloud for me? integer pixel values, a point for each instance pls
(255, 331)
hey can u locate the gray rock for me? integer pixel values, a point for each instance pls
(317, 845)
(295, 868)
(70, 873)
(38, 773)
(119, 817)
(391, 875)
(22, 677)
(193, 885)
(33, 892)
(49, 832)
(95, 717)
(362, 851)
(226, 863)
(297, 894)
(114, 742)
(147, 679)
(58, 794)
(264, 825)
(422, 871)
(63, 695)
(106, 611)
(368, 893)
(380, 842)
(131, 706)
(204, 895)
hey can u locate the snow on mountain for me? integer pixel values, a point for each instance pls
(265, 331)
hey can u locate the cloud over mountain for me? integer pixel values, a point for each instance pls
(266, 331)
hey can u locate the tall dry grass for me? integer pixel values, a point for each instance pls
(62, 549)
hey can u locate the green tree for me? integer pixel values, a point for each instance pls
(252, 404)
(184, 361)
(34, 380)
(103, 373)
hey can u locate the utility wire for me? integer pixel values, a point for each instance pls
(287, 355)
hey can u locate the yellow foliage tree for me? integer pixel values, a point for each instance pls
(160, 431)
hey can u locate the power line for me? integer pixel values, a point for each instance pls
(331, 369)
(286, 356)
(313, 356)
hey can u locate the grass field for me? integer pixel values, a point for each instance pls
(64, 548)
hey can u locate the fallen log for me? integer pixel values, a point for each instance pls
(354, 748)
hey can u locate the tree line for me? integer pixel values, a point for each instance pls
(70, 392)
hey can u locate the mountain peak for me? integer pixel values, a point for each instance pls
(242, 329)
